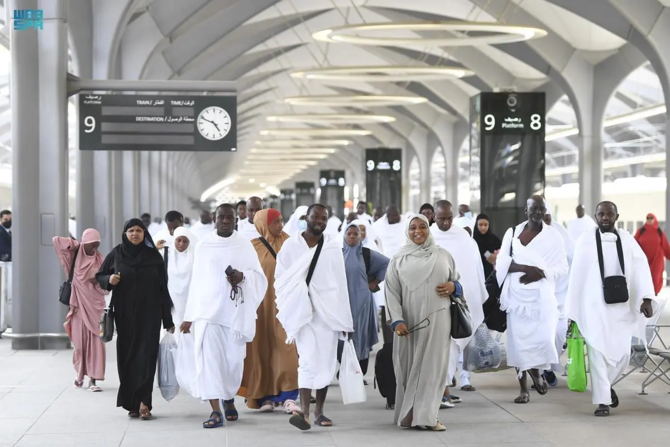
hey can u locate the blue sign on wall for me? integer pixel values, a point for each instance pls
(28, 18)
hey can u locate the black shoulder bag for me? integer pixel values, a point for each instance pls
(65, 291)
(268, 246)
(615, 288)
(107, 317)
(315, 258)
(166, 253)
(494, 317)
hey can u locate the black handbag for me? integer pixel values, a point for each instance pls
(65, 291)
(461, 321)
(107, 317)
(494, 317)
(615, 288)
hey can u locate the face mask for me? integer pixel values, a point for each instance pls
(7, 224)
(302, 225)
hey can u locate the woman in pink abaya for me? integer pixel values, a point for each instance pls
(87, 303)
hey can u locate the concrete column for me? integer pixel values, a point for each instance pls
(117, 196)
(103, 199)
(26, 234)
(129, 185)
(156, 210)
(53, 42)
(144, 182)
(164, 184)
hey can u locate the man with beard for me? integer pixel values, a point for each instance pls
(246, 227)
(227, 286)
(608, 328)
(465, 252)
(361, 211)
(313, 307)
(531, 260)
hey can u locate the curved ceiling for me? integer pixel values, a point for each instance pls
(259, 43)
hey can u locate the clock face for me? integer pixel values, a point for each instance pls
(214, 123)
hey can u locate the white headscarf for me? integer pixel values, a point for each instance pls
(416, 262)
(370, 236)
(291, 227)
(180, 265)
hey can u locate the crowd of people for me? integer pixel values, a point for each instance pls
(268, 307)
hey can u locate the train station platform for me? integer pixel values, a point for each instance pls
(40, 407)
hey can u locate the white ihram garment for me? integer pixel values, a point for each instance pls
(577, 227)
(180, 270)
(608, 328)
(247, 230)
(392, 237)
(532, 310)
(315, 316)
(222, 327)
(200, 230)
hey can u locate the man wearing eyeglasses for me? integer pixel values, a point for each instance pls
(655, 245)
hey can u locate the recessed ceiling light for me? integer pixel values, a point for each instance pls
(383, 73)
(496, 34)
(334, 118)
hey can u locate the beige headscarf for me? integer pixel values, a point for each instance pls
(416, 262)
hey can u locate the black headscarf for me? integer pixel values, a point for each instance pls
(486, 242)
(428, 206)
(144, 253)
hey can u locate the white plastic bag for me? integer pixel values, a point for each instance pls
(167, 377)
(185, 362)
(351, 376)
(485, 352)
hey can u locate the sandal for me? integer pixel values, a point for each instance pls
(290, 407)
(438, 427)
(268, 407)
(133, 414)
(298, 420)
(215, 420)
(145, 414)
(523, 398)
(323, 421)
(95, 389)
(602, 411)
(231, 414)
(615, 399)
(541, 389)
(78, 384)
(468, 388)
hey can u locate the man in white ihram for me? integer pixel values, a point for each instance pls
(468, 261)
(314, 311)
(580, 225)
(227, 286)
(246, 227)
(608, 328)
(530, 271)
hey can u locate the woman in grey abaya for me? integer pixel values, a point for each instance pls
(420, 280)
(360, 284)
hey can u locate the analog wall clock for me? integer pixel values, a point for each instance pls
(214, 123)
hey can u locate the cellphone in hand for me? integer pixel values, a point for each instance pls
(229, 271)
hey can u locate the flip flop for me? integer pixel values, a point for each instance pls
(267, 407)
(541, 390)
(133, 414)
(95, 389)
(468, 388)
(215, 420)
(78, 384)
(298, 420)
(323, 421)
(615, 399)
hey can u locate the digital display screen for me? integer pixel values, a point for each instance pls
(157, 123)
(383, 177)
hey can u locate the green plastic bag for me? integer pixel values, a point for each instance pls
(576, 361)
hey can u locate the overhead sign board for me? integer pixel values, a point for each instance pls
(157, 123)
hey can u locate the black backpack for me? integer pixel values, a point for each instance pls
(385, 375)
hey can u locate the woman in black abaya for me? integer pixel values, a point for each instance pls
(488, 243)
(135, 273)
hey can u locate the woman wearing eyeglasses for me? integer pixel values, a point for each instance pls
(655, 245)
(420, 280)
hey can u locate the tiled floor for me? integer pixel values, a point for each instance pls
(39, 407)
